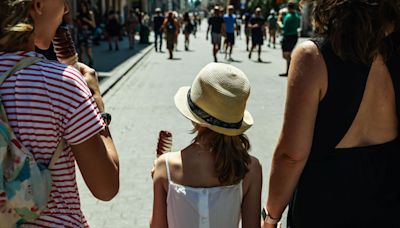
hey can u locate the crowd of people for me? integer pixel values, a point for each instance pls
(255, 29)
(171, 25)
(223, 28)
(335, 164)
(89, 28)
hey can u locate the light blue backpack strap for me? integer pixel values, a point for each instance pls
(25, 62)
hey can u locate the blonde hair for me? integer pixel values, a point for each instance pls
(16, 25)
(230, 153)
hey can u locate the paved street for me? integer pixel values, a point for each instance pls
(142, 104)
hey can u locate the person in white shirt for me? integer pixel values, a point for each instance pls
(213, 182)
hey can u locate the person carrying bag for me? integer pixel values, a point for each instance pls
(25, 184)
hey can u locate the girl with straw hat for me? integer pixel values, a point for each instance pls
(213, 182)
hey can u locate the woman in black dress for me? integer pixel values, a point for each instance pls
(113, 30)
(336, 162)
(187, 29)
(86, 25)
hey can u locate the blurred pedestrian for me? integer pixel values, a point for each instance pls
(145, 29)
(86, 26)
(47, 103)
(238, 28)
(187, 29)
(214, 181)
(257, 26)
(272, 23)
(337, 159)
(131, 24)
(289, 26)
(230, 25)
(113, 30)
(247, 31)
(121, 25)
(158, 20)
(170, 28)
(178, 19)
(217, 27)
(199, 19)
(195, 24)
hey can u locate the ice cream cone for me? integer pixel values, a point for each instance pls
(64, 47)
(164, 144)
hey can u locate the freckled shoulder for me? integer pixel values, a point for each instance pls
(308, 64)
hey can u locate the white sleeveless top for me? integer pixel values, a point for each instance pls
(215, 207)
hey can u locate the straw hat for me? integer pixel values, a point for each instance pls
(217, 99)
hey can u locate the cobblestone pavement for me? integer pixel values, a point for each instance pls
(142, 104)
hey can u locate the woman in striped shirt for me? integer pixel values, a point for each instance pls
(48, 102)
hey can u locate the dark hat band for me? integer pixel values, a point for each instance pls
(210, 119)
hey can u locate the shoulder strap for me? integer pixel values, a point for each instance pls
(241, 189)
(23, 63)
(167, 165)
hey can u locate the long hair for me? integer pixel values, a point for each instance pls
(186, 17)
(356, 29)
(16, 25)
(230, 153)
(87, 7)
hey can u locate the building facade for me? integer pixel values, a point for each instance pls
(102, 7)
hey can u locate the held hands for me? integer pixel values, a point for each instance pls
(266, 225)
(93, 84)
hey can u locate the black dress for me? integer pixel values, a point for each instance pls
(354, 187)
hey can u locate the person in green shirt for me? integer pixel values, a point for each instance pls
(290, 25)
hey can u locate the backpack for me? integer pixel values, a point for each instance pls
(272, 22)
(171, 26)
(24, 184)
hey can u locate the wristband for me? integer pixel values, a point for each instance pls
(268, 219)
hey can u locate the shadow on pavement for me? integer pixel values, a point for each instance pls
(175, 58)
(106, 61)
(262, 62)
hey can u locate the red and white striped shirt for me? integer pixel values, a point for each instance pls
(45, 102)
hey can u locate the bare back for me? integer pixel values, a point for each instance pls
(376, 120)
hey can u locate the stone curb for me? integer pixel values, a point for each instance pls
(119, 72)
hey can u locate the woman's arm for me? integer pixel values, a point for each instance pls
(160, 180)
(251, 204)
(97, 156)
(307, 84)
(98, 162)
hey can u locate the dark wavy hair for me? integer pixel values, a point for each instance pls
(16, 25)
(230, 153)
(356, 29)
